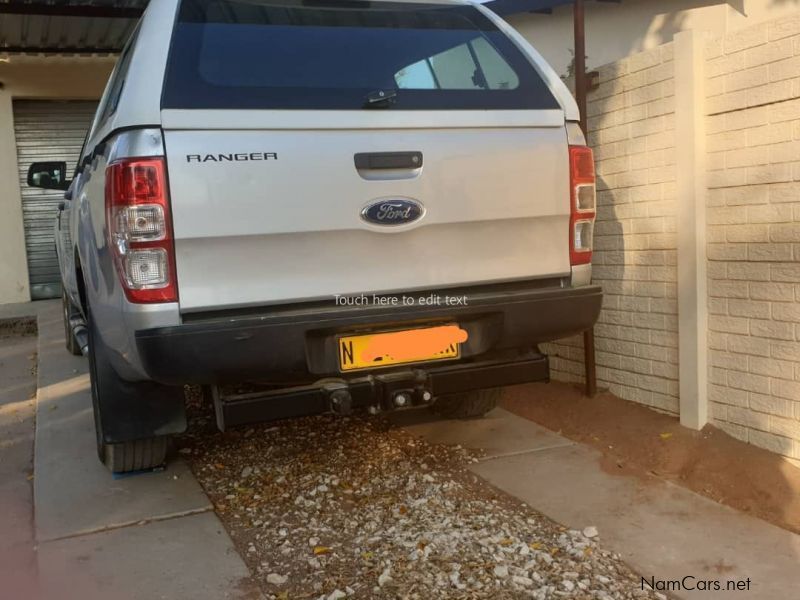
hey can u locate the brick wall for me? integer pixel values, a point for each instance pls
(752, 199)
(631, 128)
(753, 216)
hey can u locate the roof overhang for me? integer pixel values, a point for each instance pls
(77, 27)
(80, 27)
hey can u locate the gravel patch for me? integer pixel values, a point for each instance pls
(335, 508)
(15, 326)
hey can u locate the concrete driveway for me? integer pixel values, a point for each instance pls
(156, 535)
(141, 537)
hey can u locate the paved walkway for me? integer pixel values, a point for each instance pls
(660, 529)
(148, 536)
(17, 412)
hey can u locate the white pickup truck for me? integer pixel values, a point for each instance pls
(368, 204)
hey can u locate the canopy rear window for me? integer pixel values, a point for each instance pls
(273, 54)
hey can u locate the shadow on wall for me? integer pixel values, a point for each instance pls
(609, 255)
(664, 27)
(645, 27)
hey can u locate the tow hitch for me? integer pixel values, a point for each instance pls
(375, 393)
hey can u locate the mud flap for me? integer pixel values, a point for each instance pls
(142, 410)
(128, 410)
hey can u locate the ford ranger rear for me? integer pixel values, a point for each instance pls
(369, 205)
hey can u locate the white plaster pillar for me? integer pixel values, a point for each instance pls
(690, 148)
(13, 259)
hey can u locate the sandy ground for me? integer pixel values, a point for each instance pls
(637, 440)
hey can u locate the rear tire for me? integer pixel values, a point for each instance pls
(467, 405)
(126, 456)
(68, 309)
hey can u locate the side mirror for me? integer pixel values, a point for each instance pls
(48, 175)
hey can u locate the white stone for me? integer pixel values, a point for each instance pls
(385, 577)
(523, 581)
(501, 571)
(590, 531)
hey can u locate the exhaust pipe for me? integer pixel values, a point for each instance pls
(81, 334)
(82, 337)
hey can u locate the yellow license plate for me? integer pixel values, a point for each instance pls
(389, 348)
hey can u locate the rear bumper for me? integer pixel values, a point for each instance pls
(298, 342)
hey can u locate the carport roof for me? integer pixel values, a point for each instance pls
(103, 26)
(67, 27)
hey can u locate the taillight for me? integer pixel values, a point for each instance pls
(583, 204)
(140, 229)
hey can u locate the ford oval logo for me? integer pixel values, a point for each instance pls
(394, 211)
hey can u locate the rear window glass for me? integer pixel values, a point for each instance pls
(345, 55)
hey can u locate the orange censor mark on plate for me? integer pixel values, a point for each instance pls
(397, 347)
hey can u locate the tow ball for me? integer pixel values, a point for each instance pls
(341, 402)
(401, 399)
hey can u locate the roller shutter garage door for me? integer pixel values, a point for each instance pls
(46, 130)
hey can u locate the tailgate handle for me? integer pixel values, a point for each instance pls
(388, 160)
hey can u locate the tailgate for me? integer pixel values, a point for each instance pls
(275, 215)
